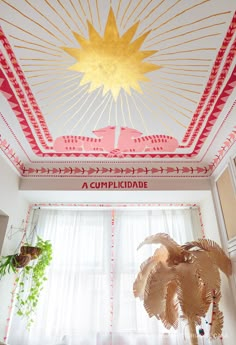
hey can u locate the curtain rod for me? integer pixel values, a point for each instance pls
(115, 205)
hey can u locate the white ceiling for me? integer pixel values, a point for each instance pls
(179, 123)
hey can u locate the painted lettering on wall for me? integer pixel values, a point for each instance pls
(115, 185)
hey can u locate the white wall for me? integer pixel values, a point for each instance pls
(228, 306)
(14, 206)
(3, 227)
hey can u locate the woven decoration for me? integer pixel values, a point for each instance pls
(183, 278)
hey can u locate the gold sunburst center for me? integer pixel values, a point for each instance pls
(113, 62)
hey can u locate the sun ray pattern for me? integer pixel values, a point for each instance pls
(113, 62)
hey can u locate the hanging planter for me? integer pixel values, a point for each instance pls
(34, 252)
(21, 260)
(10, 263)
(32, 278)
(30, 265)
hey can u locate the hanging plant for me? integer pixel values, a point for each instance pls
(34, 252)
(10, 263)
(32, 278)
(30, 265)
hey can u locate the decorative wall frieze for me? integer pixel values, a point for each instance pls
(121, 169)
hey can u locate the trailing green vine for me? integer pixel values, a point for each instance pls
(31, 281)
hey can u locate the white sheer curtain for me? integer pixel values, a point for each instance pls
(131, 322)
(88, 297)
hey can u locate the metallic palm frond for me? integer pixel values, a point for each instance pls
(183, 277)
(189, 291)
(206, 297)
(161, 254)
(156, 289)
(208, 271)
(141, 280)
(165, 240)
(217, 319)
(176, 252)
(169, 317)
(217, 325)
(216, 253)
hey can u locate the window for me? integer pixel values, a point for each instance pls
(88, 298)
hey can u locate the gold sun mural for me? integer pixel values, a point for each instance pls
(141, 64)
(113, 61)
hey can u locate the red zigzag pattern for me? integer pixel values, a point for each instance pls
(28, 91)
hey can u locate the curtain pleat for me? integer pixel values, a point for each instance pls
(88, 297)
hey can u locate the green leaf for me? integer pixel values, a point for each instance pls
(34, 275)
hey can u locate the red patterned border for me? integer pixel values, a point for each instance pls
(12, 156)
(222, 99)
(215, 94)
(116, 205)
(13, 101)
(27, 89)
(215, 68)
(102, 172)
(112, 266)
(213, 139)
(228, 143)
(219, 105)
(121, 205)
(18, 104)
(124, 205)
(15, 137)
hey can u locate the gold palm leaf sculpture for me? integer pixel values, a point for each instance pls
(183, 279)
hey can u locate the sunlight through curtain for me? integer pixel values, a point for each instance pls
(88, 298)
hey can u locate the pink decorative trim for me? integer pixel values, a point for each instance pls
(130, 140)
(207, 129)
(219, 58)
(29, 135)
(229, 142)
(121, 205)
(227, 91)
(18, 104)
(28, 91)
(100, 172)
(10, 308)
(148, 177)
(114, 205)
(86, 172)
(112, 263)
(221, 101)
(11, 155)
(15, 137)
(201, 222)
(210, 145)
(8, 93)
